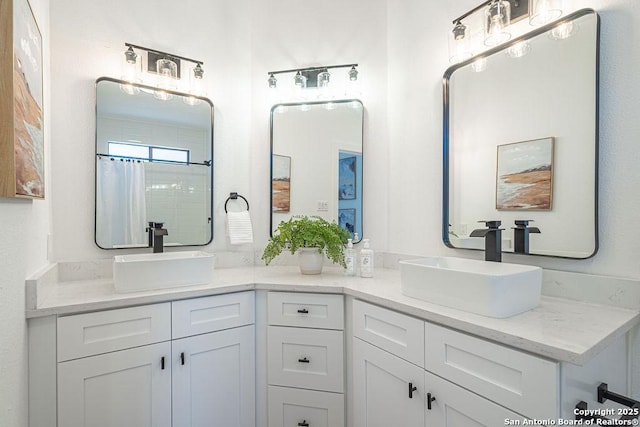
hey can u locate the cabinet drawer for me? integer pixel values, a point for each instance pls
(306, 358)
(306, 310)
(209, 314)
(293, 407)
(88, 334)
(522, 382)
(396, 333)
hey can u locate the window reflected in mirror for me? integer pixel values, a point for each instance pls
(153, 164)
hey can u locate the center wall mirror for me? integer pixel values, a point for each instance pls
(316, 162)
(521, 141)
(154, 152)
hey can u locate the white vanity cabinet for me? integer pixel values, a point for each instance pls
(388, 368)
(305, 361)
(185, 363)
(462, 380)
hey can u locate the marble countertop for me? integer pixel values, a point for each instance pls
(559, 329)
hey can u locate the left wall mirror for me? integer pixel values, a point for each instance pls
(154, 163)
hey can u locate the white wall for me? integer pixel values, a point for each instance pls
(24, 226)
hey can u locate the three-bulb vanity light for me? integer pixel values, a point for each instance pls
(164, 71)
(319, 78)
(498, 17)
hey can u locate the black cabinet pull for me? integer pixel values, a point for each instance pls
(303, 424)
(162, 363)
(430, 399)
(305, 360)
(411, 390)
(182, 358)
(303, 311)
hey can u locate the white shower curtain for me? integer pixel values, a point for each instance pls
(120, 204)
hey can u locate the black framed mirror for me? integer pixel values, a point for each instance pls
(154, 163)
(520, 141)
(317, 162)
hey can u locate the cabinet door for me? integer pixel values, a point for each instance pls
(214, 379)
(453, 406)
(123, 388)
(381, 383)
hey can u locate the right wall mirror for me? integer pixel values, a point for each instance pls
(521, 141)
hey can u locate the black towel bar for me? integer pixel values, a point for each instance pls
(234, 196)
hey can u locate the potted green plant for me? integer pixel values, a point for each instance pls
(312, 238)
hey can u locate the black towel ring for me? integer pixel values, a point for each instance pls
(234, 196)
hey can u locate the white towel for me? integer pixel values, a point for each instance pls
(239, 227)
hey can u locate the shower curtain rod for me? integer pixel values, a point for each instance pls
(146, 159)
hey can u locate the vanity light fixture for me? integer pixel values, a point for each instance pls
(313, 77)
(161, 69)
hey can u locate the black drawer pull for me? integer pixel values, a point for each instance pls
(182, 358)
(430, 399)
(303, 424)
(411, 390)
(305, 360)
(162, 363)
(303, 311)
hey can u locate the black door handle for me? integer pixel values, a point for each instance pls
(182, 358)
(303, 424)
(411, 390)
(303, 311)
(305, 360)
(430, 399)
(162, 363)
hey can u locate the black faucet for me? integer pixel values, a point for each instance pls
(156, 236)
(521, 235)
(492, 240)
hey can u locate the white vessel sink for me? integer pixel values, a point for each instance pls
(491, 289)
(132, 273)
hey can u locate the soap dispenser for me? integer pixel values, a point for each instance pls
(366, 259)
(350, 259)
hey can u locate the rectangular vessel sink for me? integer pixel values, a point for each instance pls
(141, 272)
(488, 288)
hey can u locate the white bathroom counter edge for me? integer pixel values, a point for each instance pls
(560, 329)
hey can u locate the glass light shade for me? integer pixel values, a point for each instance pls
(497, 17)
(131, 72)
(544, 11)
(519, 50)
(353, 74)
(300, 80)
(323, 79)
(564, 31)
(459, 43)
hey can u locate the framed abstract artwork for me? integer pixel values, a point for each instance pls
(524, 176)
(21, 102)
(281, 183)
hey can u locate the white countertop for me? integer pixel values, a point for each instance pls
(559, 329)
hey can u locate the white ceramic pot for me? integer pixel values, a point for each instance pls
(311, 260)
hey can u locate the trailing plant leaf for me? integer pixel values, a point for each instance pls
(302, 231)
